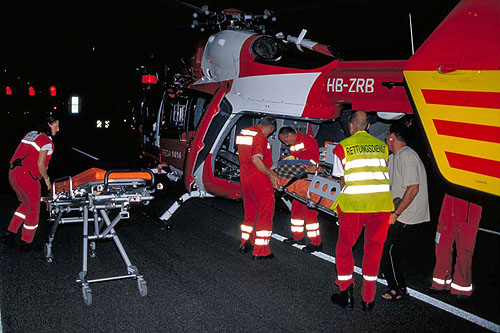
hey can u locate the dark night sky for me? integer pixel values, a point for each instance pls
(93, 48)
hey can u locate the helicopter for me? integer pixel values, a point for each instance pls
(240, 74)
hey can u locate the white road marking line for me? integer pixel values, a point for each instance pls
(416, 294)
(490, 231)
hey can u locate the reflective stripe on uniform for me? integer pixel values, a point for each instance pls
(370, 277)
(297, 222)
(441, 281)
(344, 277)
(364, 162)
(363, 189)
(248, 132)
(263, 233)
(312, 226)
(244, 140)
(460, 288)
(244, 235)
(366, 176)
(246, 228)
(31, 143)
(297, 229)
(297, 147)
(21, 215)
(29, 227)
(261, 241)
(312, 234)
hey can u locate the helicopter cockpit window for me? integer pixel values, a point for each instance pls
(266, 48)
(275, 52)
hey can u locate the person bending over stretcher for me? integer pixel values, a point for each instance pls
(289, 176)
(27, 166)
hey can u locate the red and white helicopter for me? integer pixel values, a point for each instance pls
(241, 74)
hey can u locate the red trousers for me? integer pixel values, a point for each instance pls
(28, 193)
(350, 227)
(258, 202)
(458, 223)
(302, 215)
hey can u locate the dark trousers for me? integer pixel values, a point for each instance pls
(395, 250)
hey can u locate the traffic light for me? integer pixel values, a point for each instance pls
(8, 90)
(31, 91)
(53, 91)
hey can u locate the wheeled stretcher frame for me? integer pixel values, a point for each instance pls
(96, 198)
(324, 187)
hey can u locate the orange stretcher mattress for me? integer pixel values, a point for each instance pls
(300, 188)
(97, 175)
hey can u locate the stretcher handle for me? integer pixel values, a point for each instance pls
(59, 180)
(106, 176)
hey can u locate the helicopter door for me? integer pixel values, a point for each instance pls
(180, 118)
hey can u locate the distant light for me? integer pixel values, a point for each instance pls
(8, 91)
(98, 124)
(53, 91)
(55, 107)
(75, 104)
(31, 91)
(150, 79)
(107, 123)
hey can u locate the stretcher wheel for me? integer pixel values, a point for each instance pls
(92, 249)
(47, 249)
(87, 295)
(143, 288)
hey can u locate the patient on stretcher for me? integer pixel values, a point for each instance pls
(294, 176)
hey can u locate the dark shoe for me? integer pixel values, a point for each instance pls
(291, 241)
(268, 257)
(395, 295)
(310, 248)
(30, 247)
(9, 239)
(367, 306)
(345, 298)
(247, 247)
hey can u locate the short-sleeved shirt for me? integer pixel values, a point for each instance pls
(405, 169)
(252, 142)
(29, 148)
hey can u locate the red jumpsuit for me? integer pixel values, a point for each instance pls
(24, 180)
(258, 192)
(365, 201)
(305, 148)
(458, 222)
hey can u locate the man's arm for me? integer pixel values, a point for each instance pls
(259, 164)
(42, 159)
(410, 194)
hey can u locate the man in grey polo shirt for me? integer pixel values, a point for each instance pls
(409, 191)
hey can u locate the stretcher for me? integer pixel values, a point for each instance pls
(316, 190)
(89, 198)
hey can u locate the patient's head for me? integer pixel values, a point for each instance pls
(287, 135)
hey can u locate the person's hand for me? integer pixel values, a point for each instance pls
(47, 182)
(394, 217)
(274, 181)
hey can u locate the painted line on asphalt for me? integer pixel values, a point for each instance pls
(490, 231)
(416, 294)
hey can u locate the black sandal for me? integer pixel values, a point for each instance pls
(395, 295)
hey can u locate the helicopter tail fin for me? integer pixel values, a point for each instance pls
(454, 82)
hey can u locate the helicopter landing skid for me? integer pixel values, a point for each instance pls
(185, 197)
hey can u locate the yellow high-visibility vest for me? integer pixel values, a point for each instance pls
(367, 184)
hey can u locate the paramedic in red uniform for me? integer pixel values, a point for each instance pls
(365, 201)
(257, 184)
(458, 223)
(28, 166)
(302, 147)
